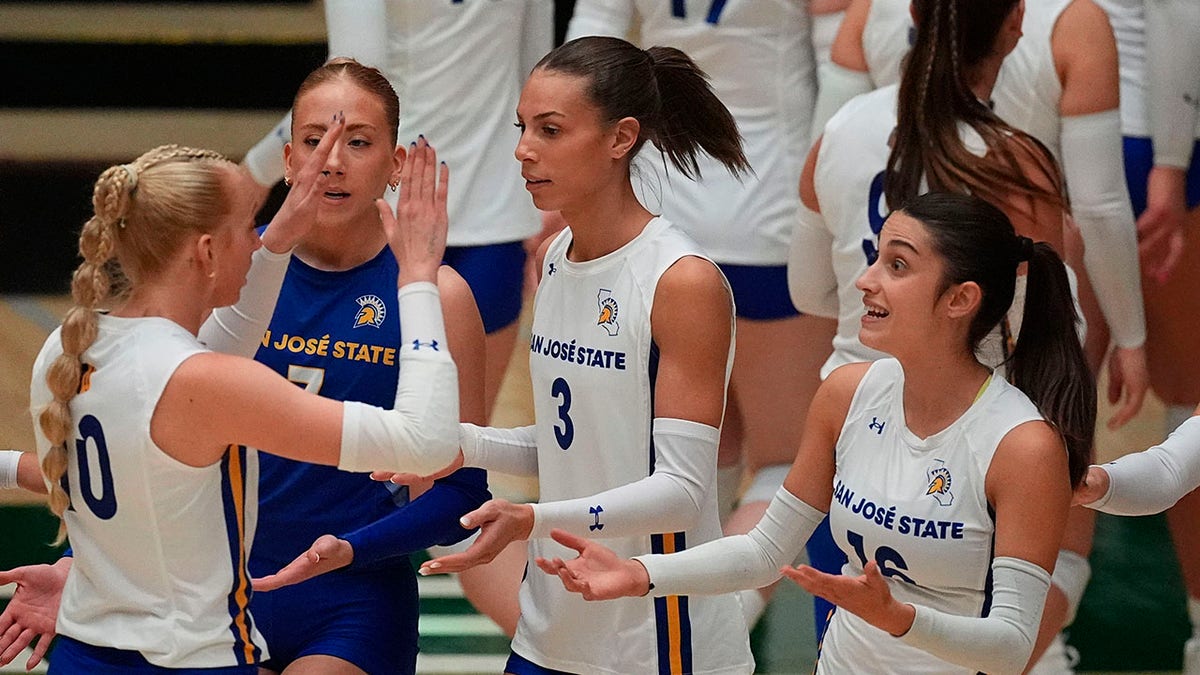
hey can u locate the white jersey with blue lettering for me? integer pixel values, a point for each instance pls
(458, 68)
(758, 56)
(1128, 20)
(917, 507)
(592, 364)
(160, 547)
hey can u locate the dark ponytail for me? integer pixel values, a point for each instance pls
(664, 90)
(953, 38)
(977, 243)
(1048, 363)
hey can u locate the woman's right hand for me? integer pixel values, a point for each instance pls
(417, 231)
(298, 214)
(598, 573)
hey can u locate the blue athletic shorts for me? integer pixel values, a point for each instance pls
(496, 275)
(71, 657)
(366, 618)
(760, 292)
(519, 665)
(1139, 159)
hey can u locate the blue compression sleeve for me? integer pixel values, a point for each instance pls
(429, 520)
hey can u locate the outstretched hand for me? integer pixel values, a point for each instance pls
(327, 554)
(416, 232)
(31, 614)
(500, 523)
(1161, 226)
(298, 213)
(597, 573)
(866, 596)
(1093, 488)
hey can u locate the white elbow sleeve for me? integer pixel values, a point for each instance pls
(670, 499)
(741, 561)
(239, 329)
(510, 451)
(998, 643)
(1152, 481)
(1091, 146)
(812, 283)
(420, 435)
(1071, 574)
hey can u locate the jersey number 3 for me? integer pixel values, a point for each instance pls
(566, 433)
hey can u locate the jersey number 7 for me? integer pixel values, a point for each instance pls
(679, 9)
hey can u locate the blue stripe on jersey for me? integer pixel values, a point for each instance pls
(652, 375)
(233, 494)
(821, 637)
(987, 585)
(671, 617)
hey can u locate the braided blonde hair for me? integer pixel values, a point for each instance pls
(142, 213)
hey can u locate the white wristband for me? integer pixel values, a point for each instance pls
(10, 460)
(421, 324)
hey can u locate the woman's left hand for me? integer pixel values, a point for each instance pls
(327, 554)
(866, 596)
(500, 523)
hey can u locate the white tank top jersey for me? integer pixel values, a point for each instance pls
(887, 36)
(759, 58)
(434, 49)
(1028, 93)
(918, 508)
(160, 547)
(1128, 20)
(592, 365)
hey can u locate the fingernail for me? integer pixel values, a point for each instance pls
(421, 136)
(443, 163)
(423, 572)
(465, 522)
(413, 144)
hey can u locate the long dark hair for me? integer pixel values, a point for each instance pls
(977, 243)
(664, 90)
(953, 37)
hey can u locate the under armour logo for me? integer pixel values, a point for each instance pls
(432, 344)
(876, 425)
(596, 511)
(552, 270)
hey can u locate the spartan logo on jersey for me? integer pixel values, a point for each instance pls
(608, 312)
(939, 483)
(371, 312)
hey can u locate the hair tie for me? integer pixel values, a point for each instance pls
(131, 171)
(1024, 248)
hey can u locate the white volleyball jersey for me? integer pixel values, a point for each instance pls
(917, 507)
(758, 56)
(1028, 93)
(849, 184)
(887, 36)
(160, 547)
(592, 364)
(458, 68)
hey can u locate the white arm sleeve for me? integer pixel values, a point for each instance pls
(420, 435)
(1152, 481)
(1071, 574)
(239, 329)
(1091, 147)
(812, 283)
(669, 500)
(356, 28)
(601, 17)
(537, 37)
(510, 451)
(10, 460)
(998, 643)
(838, 85)
(740, 561)
(1173, 75)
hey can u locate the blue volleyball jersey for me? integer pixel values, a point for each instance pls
(335, 334)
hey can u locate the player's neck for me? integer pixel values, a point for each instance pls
(605, 222)
(938, 392)
(335, 249)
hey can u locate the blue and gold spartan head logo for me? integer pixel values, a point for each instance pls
(939, 483)
(371, 312)
(608, 312)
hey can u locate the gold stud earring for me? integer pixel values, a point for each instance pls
(287, 180)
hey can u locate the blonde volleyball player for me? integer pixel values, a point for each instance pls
(946, 487)
(143, 432)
